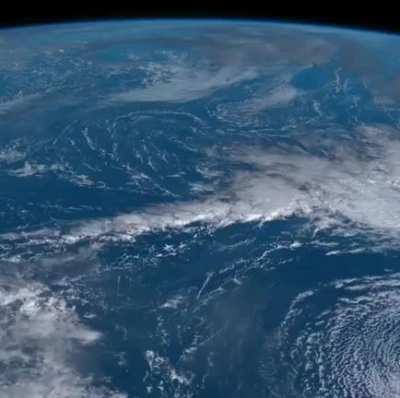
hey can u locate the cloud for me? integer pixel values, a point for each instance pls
(350, 189)
(179, 81)
(326, 344)
(37, 332)
(347, 185)
(17, 103)
(277, 97)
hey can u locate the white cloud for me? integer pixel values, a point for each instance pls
(350, 190)
(37, 331)
(346, 193)
(178, 82)
(354, 360)
(279, 96)
(17, 103)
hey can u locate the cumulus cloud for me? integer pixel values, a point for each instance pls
(355, 184)
(37, 332)
(326, 350)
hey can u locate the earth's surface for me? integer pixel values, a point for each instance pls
(199, 209)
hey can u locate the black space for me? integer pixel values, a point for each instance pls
(377, 17)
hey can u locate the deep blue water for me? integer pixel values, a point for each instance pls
(199, 209)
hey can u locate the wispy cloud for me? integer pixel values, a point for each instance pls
(180, 81)
(17, 103)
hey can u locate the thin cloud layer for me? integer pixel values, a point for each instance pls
(182, 83)
(17, 103)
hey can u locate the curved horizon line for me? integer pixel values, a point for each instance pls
(287, 21)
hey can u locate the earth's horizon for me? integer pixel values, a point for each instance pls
(196, 208)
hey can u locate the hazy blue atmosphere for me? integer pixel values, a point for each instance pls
(199, 209)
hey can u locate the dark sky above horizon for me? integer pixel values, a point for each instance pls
(374, 18)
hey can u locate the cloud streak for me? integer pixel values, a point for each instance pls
(177, 81)
(344, 189)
